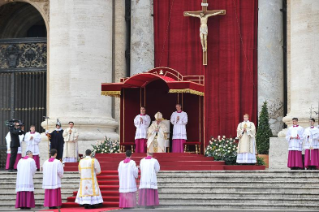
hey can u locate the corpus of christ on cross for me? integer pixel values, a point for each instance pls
(203, 15)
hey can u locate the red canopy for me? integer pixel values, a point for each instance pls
(176, 82)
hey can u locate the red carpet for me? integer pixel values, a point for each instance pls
(108, 179)
(77, 209)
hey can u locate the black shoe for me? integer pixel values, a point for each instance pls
(38, 169)
(27, 208)
(10, 170)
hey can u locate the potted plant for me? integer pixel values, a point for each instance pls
(263, 134)
(107, 146)
(222, 149)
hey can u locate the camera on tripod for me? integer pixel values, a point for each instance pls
(12, 122)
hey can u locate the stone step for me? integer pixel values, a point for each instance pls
(238, 206)
(226, 200)
(232, 189)
(256, 195)
(251, 184)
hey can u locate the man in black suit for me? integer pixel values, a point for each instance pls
(15, 143)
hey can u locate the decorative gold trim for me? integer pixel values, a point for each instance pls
(187, 90)
(111, 93)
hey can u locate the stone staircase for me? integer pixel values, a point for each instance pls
(70, 183)
(240, 190)
(213, 190)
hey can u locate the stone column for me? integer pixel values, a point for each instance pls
(270, 61)
(303, 72)
(80, 60)
(303, 51)
(142, 36)
(119, 50)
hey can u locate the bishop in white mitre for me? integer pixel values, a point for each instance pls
(294, 138)
(70, 149)
(179, 119)
(141, 122)
(311, 146)
(24, 185)
(32, 140)
(246, 132)
(52, 174)
(148, 194)
(157, 135)
(89, 193)
(128, 173)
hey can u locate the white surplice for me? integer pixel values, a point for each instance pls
(295, 144)
(21, 137)
(128, 172)
(89, 191)
(8, 142)
(52, 174)
(179, 130)
(156, 141)
(149, 168)
(70, 148)
(311, 136)
(141, 126)
(33, 144)
(26, 170)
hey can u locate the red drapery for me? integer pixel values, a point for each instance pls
(231, 73)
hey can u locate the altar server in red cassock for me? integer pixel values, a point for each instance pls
(128, 172)
(179, 119)
(141, 122)
(24, 185)
(294, 138)
(52, 174)
(311, 136)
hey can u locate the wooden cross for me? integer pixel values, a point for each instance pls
(203, 15)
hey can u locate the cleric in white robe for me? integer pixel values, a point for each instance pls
(52, 174)
(128, 172)
(8, 142)
(89, 193)
(70, 148)
(148, 195)
(294, 138)
(141, 122)
(157, 135)
(246, 132)
(24, 185)
(311, 146)
(179, 119)
(32, 140)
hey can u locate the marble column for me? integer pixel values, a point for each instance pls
(303, 72)
(142, 36)
(119, 51)
(80, 50)
(303, 51)
(270, 61)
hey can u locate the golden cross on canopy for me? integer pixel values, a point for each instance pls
(203, 15)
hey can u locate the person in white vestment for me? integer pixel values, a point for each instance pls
(52, 174)
(179, 119)
(89, 193)
(246, 131)
(24, 185)
(8, 142)
(128, 172)
(310, 145)
(141, 122)
(294, 138)
(148, 195)
(157, 135)
(32, 140)
(70, 149)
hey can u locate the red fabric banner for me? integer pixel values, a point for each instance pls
(231, 73)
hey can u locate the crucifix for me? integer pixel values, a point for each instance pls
(203, 15)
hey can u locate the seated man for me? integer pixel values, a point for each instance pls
(157, 135)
